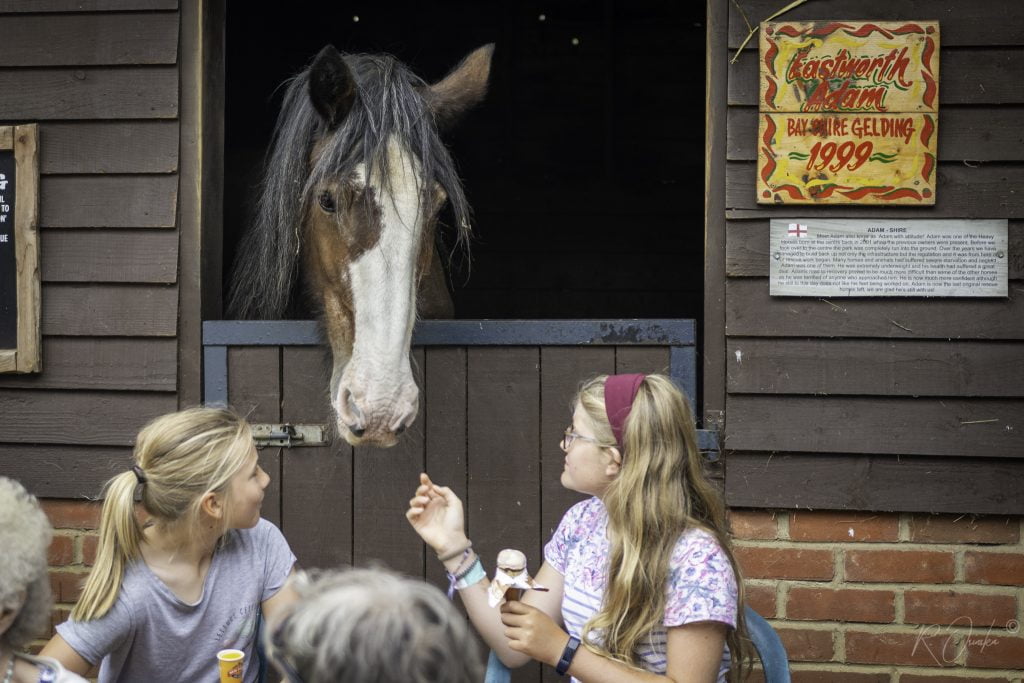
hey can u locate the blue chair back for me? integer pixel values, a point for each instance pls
(496, 671)
(769, 648)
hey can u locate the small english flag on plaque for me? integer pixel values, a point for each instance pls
(796, 230)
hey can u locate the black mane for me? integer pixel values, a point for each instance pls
(389, 102)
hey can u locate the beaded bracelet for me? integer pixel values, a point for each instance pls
(473, 574)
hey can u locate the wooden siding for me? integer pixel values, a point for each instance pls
(100, 77)
(890, 404)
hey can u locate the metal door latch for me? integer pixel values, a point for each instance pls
(288, 435)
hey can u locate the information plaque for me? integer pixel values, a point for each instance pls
(888, 257)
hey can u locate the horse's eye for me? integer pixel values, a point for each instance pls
(326, 202)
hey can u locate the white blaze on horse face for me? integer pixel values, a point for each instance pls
(376, 395)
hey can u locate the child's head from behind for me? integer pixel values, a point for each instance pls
(186, 455)
(372, 624)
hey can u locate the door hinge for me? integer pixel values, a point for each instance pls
(288, 435)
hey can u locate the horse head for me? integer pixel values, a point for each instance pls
(355, 179)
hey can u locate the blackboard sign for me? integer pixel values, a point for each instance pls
(8, 263)
(20, 301)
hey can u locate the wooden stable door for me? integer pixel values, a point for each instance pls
(490, 422)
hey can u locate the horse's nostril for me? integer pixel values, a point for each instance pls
(356, 431)
(401, 428)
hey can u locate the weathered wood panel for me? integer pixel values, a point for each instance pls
(988, 191)
(966, 133)
(320, 534)
(503, 506)
(110, 256)
(64, 471)
(856, 482)
(108, 201)
(111, 363)
(562, 369)
(445, 457)
(110, 310)
(747, 248)
(92, 418)
(896, 426)
(751, 312)
(89, 39)
(380, 531)
(84, 5)
(109, 147)
(89, 93)
(969, 76)
(990, 23)
(254, 390)
(875, 367)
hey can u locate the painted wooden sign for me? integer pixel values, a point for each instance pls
(19, 256)
(848, 113)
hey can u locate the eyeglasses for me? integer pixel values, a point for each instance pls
(570, 437)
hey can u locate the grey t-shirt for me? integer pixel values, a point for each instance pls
(152, 635)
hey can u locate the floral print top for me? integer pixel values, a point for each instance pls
(701, 585)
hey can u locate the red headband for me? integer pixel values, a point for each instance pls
(619, 392)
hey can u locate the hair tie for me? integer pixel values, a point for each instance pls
(139, 474)
(619, 393)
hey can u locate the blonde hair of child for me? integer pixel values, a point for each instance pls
(661, 492)
(183, 456)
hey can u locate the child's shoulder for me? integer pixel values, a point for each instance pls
(586, 513)
(697, 541)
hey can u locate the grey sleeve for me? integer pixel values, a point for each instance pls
(95, 639)
(278, 562)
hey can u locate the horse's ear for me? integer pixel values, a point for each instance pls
(464, 87)
(331, 86)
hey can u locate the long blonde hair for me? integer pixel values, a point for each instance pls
(661, 492)
(182, 456)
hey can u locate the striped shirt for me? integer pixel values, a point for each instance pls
(701, 585)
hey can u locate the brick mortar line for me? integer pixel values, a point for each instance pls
(903, 528)
(783, 525)
(997, 674)
(975, 588)
(843, 627)
(894, 546)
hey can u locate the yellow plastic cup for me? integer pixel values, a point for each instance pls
(231, 665)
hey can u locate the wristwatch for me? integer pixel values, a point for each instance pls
(567, 654)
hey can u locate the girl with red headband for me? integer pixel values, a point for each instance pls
(643, 583)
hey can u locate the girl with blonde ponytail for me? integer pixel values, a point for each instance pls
(189, 570)
(643, 582)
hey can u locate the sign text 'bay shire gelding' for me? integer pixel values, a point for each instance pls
(355, 178)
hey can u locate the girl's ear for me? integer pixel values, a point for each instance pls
(212, 505)
(615, 464)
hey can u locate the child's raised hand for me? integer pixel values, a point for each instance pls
(435, 512)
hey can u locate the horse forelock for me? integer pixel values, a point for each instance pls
(388, 106)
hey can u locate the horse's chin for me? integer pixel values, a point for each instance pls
(375, 440)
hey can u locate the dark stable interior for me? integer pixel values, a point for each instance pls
(584, 166)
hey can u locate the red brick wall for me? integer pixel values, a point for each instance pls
(888, 598)
(856, 597)
(72, 551)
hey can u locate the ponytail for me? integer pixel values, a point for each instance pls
(120, 538)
